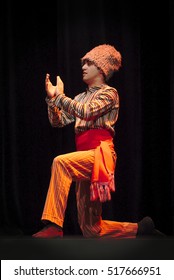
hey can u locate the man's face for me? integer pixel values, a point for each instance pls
(90, 71)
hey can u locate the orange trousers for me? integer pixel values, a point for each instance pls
(77, 166)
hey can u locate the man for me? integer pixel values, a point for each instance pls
(92, 165)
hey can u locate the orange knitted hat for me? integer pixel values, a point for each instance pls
(105, 57)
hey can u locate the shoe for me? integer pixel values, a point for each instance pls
(50, 231)
(145, 227)
(158, 234)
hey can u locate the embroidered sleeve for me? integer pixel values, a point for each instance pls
(57, 117)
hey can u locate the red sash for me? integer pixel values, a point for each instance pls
(102, 179)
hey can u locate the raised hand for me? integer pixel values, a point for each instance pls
(50, 89)
(60, 86)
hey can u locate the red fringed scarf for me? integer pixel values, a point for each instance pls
(102, 179)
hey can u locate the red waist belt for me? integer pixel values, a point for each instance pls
(102, 179)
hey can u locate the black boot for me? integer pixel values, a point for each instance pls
(158, 234)
(145, 227)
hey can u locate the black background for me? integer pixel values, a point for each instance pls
(40, 38)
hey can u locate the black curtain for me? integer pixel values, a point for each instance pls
(51, 38)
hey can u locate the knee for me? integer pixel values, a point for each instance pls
(57, 160)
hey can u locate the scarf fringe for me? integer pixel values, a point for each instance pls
(102, 190)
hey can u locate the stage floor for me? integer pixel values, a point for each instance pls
(71, 247)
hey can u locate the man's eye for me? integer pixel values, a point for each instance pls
(89, 63)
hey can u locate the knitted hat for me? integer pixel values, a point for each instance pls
(105, 57)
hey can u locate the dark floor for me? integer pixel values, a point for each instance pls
(70, 247)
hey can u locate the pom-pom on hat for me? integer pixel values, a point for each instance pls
(105, 57)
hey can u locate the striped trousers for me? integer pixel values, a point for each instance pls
(77, 166)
